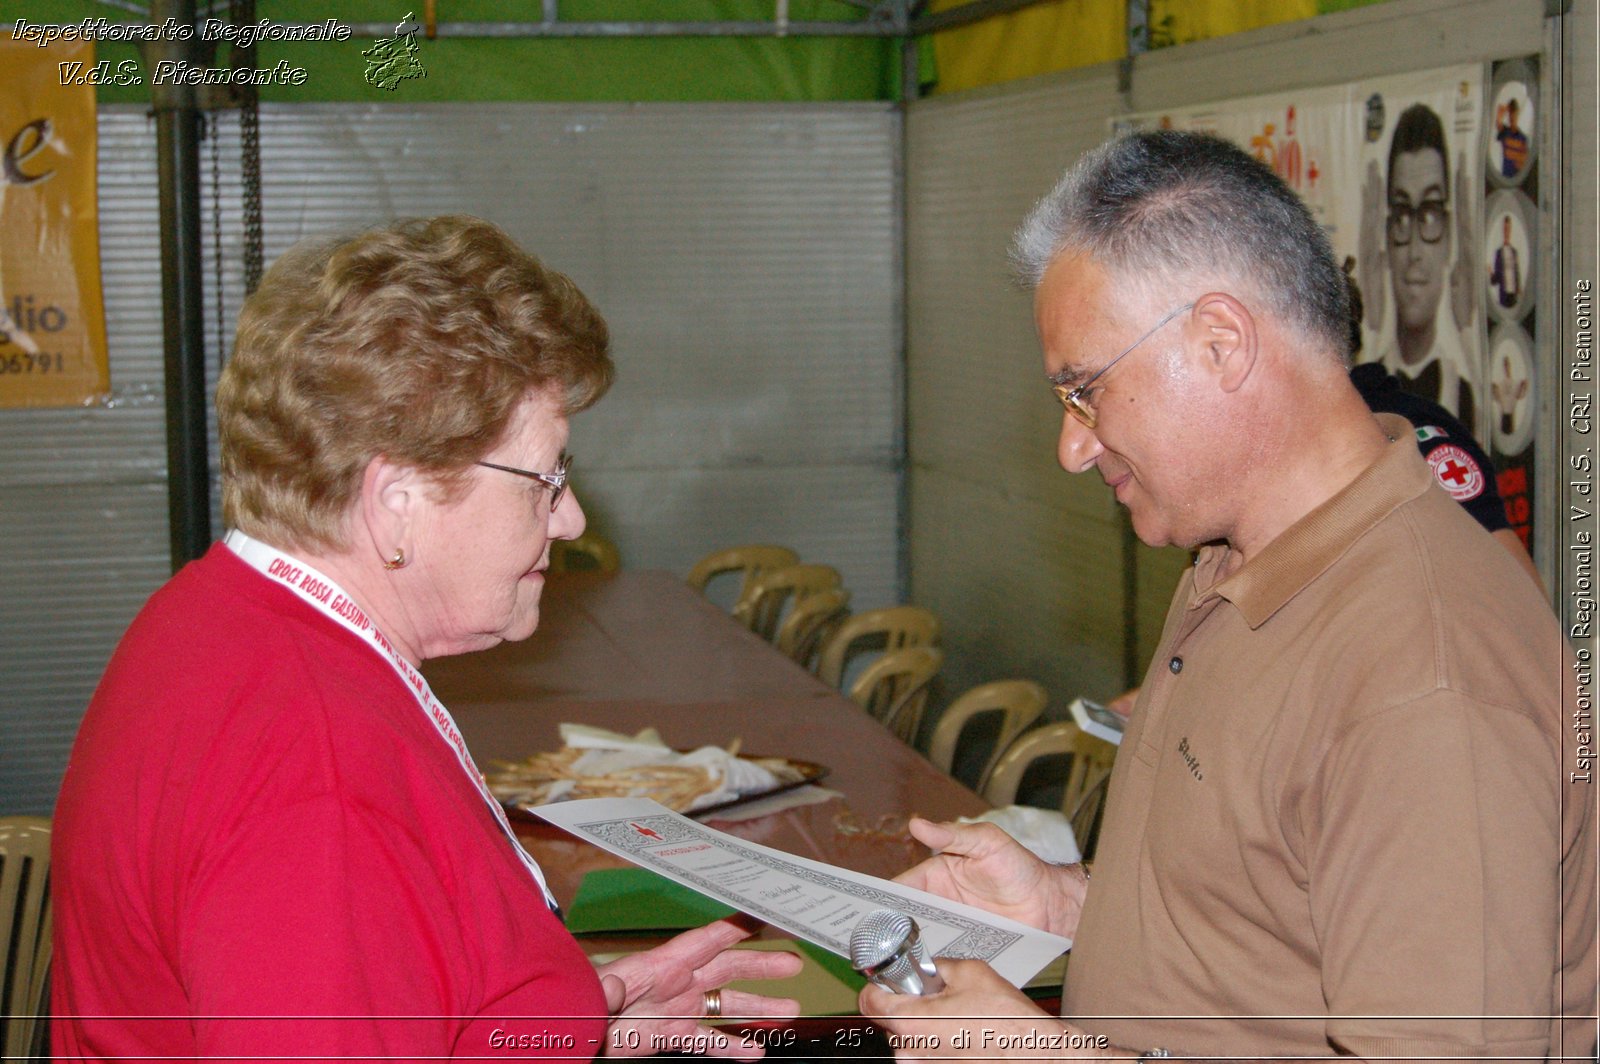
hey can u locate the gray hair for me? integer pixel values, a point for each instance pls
(1154, 204)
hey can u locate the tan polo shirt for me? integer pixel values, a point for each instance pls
(1341, 818)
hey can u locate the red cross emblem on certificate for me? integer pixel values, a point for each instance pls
(1457, 473)
(646, 832)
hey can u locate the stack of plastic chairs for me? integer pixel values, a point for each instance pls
(894, 688)
(747, 562)
(589, 553)
(1019, 704)
(24, 933)
(1088, 773)
(761, 609)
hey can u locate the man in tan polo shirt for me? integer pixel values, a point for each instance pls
(1341, 820)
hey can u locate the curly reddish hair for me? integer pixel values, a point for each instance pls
(415, 340)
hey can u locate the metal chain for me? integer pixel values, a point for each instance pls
(250, 177)
(213, 129)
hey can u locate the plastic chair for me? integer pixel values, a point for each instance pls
(762, 607)
(589, 553)
(24, 932)
(1019, 703)
(750, 561)
(811, 620)
(1086, 816)
(894, 689)
(1090, 758)
(896, 626)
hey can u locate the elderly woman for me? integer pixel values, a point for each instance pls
(271, 839)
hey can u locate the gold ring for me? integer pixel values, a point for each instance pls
(713, 1003)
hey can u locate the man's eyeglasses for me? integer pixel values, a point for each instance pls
(1080, 401)
(1426, 219)
(556, 482)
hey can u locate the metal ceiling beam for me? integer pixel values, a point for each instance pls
(559, 28)
(468, 30)
(883, 21)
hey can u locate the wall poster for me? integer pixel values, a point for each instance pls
(1426, 183)
(1510, 250)
(52, 320)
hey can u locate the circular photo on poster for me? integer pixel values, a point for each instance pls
(1508, 255)
(1510, 138)
(1511, 388)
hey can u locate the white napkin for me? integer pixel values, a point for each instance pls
(1045, 832)
(583, 736)
(756, 808)
(607, 752)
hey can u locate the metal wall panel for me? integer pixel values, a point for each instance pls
(1576, 38)
(1021, 561)
(83, 511)
(746, 257)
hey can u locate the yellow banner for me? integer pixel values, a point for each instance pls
(52, 319)
(1064, 34)
(1036, 40)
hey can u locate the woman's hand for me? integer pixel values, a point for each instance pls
(979, 864)
(657, 998)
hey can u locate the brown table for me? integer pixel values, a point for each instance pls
(637, 649)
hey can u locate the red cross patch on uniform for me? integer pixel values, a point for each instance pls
(1457, 472)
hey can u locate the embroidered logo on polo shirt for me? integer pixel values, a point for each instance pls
(1430, 432)
(1189, 759)
(1457, 473)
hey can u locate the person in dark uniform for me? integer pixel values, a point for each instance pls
(1459, 463)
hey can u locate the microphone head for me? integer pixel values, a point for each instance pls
(879, 936)
(887, 948)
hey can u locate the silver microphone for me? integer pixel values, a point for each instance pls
(887, 949)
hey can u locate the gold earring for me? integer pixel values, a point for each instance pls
(397, 562)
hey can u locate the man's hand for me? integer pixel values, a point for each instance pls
(660, 994)
(979, 864)
(974, 1016)
(1123, 704)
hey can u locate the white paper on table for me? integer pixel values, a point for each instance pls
(815, 901)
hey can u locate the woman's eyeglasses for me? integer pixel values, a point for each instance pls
(556, 481)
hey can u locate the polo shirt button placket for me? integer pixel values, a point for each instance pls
(1176, 664)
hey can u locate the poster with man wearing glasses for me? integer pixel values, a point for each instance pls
(1426, 184)
(1417, 253)
(1390, 167)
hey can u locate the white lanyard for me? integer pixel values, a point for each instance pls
(324, 595)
